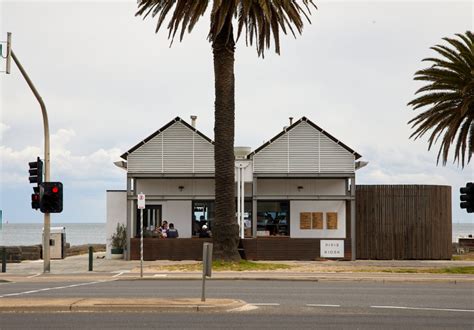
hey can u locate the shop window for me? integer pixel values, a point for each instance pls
(247, 218)
(204, 211)
(273, 218)
(203, 214)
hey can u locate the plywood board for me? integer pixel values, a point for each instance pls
(305, 220)
(317, 220)
(331, 219)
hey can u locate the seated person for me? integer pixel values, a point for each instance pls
(157, 232)
(205, 232)
(164, 228)
(172, 232)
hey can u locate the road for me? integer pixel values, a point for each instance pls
(275, 304)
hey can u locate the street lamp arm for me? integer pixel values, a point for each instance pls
(47, 217)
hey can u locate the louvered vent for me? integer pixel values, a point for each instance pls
(303, 149)
(177, 149)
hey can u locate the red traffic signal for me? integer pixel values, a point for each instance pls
(51, 197)
(35, 201)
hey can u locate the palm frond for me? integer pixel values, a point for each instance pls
(261, 20)
(448, 99)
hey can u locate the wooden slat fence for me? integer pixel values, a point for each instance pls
(403, 222)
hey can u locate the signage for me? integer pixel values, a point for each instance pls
(317, 221)
(332, 248)
(331, 218)
(141, 201)
(305, 220)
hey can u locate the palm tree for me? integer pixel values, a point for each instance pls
(261, 20)
(449, 98)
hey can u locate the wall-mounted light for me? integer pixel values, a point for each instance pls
(181, 188)
(300, 188)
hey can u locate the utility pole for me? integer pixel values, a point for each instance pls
(47, 216)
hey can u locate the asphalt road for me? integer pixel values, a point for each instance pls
(276, 304)
(261, 319)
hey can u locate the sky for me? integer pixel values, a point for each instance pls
(109, 81)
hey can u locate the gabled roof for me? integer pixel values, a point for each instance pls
(304, 119)
(175, 120)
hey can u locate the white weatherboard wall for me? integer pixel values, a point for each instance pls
(165, 187)
(178, 149)
(303, 149)
(289, 187)
(318, 206)
(116, 213)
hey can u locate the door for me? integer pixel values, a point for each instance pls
(151, 218)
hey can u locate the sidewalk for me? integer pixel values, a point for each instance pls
(74, 268)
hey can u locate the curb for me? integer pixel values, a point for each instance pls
(324, 278)
(117, 305)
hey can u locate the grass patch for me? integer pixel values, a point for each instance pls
(241, 266)
(464, 257)
(245, 265)
(448, 270)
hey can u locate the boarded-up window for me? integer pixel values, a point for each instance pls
(305, 220)
(317, 220)
(331, 219)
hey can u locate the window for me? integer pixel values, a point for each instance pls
(203, 214)
(151, 219)
(247, 218)
(273, 218)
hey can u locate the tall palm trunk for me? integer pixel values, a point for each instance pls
(225, 229)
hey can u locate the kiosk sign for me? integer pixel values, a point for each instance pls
(332, 248)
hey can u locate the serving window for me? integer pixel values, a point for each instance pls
(273, 218)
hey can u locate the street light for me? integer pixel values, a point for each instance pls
(47, 217)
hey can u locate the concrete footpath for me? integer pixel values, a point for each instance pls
(76, 268)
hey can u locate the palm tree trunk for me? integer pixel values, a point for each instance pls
(225, 229)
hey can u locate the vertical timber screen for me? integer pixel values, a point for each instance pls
(403, 222)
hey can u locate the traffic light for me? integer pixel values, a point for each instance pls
(36, 176)
(36, 171)
(35, 198)
(51, 197)
(467, 197)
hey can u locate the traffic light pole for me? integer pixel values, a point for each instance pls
(47, 216)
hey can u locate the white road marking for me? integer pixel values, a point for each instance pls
(244, 308)
(160, 275)
(117, 275)
(425, 308)
(34, 275)
(265, 304)
(322, 305)
(53, 288)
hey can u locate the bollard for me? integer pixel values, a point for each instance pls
(206, 267)
(91, 254)
(4, 260)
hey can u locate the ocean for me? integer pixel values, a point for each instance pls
(31, 233)
(88, 233)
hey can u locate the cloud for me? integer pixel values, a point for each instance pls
(3, 129)
(65, 165)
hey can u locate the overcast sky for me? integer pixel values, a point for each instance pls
(109, 81)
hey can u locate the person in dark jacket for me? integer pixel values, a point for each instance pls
(205, 232)
(172, 232)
